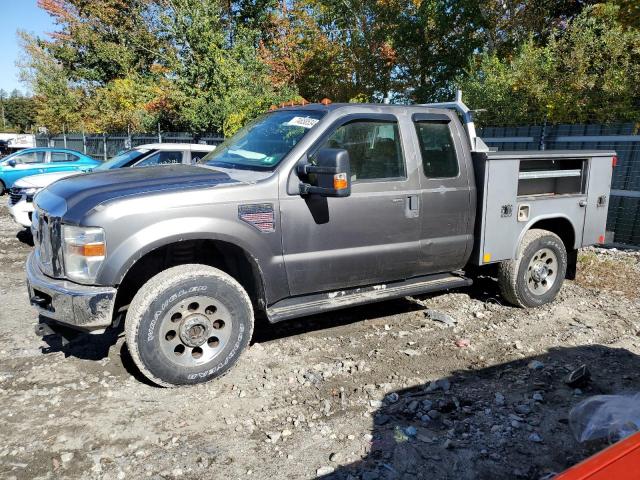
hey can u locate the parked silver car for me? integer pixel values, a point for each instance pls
(22, 193)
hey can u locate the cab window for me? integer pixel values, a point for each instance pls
(438, 152)
(161, 158)
(197, 156)
(374, 149)
(64, 157)
(30, 157)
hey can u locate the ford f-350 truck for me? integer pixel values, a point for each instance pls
(307, 209)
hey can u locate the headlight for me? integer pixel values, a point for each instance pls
(29, 192)
(84, 250)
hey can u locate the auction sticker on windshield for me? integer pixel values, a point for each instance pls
(304, 122)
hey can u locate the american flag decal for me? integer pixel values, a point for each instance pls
(259, 215)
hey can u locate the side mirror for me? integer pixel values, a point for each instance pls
(329, 177)
(11, 162)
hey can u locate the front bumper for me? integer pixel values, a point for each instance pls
(78, 306)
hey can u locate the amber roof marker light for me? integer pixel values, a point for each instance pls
(293, 103)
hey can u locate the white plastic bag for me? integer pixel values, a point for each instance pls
(613, 417)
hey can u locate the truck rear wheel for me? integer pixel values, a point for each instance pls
(535, 276)
(188, 324)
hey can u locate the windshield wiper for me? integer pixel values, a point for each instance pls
(238, 166)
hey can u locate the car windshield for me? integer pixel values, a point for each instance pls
(123, 159)
(263, 143)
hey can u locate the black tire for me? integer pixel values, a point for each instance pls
(536, 275)
(3, 188)
(177, 300)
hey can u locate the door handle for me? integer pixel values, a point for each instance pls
(397, 200)
(412, 209)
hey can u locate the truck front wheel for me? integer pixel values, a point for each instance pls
(535, 276)
(188, 324)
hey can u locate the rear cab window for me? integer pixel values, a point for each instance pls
(163, 157)
(437, 148)
(196, 156)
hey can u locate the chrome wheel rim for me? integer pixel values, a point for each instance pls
(542, 271)
(195, 331)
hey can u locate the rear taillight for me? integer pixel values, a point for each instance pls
(614, 161)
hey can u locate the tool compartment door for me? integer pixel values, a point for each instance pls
(598, 193)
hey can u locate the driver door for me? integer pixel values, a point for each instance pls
(370, 237)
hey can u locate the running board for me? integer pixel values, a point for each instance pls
(327, 301)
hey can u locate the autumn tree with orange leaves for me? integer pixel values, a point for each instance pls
(203, 65)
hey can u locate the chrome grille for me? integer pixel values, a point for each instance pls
(14, 196)
(47, 243)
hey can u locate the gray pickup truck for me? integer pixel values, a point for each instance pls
(307, 209)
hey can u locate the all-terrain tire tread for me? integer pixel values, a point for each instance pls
(508, 270)
(152, 289)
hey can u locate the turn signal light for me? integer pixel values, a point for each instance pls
(340, 181)
(89, 250)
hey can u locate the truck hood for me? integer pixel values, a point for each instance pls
(73, 197)
(42, 180)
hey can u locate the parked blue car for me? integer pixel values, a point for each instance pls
(33, 161)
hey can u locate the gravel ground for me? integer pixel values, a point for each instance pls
(378, 392)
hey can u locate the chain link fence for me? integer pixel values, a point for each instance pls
(103, 147)
(624, 206)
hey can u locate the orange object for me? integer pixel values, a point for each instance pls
(340, 181)
(89, 250)
(620, 461)
(614, 161)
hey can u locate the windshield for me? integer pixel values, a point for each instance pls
(263, 143)
(123, 159)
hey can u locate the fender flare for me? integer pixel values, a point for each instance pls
(532, 222)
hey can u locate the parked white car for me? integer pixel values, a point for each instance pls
(23, 190)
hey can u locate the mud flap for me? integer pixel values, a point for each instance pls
(572, 264)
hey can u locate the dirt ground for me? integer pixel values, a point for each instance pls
(378, 392)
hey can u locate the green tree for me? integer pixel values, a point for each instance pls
(58, 103)
(220, 79)
(19, 112)
(99, 41)
(586, 72)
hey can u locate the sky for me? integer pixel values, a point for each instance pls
(18, 15)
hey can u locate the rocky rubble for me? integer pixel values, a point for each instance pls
(457, 385)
